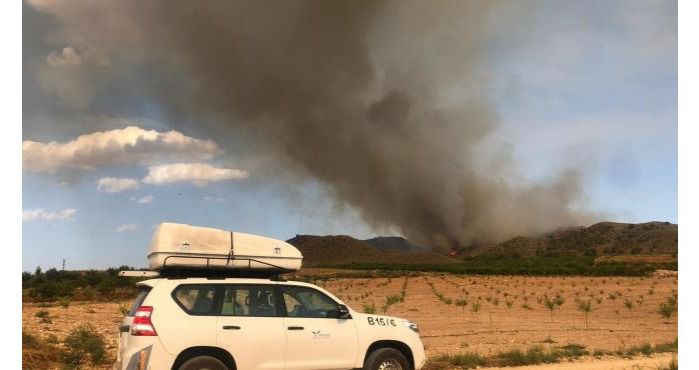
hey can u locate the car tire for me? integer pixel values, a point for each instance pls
(386, 359)
(203, 363)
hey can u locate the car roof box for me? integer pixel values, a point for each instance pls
(180, 247)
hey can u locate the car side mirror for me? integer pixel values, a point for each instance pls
(343, 312)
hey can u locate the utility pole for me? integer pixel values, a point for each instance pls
(64, 264)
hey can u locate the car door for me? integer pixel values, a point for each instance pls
(250, 326)
(316, 339)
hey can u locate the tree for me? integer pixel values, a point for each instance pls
(550, 304)
(585, 306)
(462, 303)
(668, 308)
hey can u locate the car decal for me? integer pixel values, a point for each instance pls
(381, 321)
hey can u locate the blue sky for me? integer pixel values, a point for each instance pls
(598, 90)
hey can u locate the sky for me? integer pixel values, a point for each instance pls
(589, 84)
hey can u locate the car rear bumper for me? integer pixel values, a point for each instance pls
(146, 354)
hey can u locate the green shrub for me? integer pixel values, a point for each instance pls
(29, 340)
(475, 307)
(574, 350)
(37, 353)
(585, 307)
(645, 348)
(44, 316)
(81, 344)
(124, 309)
(468, 360)
(462, 303)
(52, 339)
(64, 302)
(666, 347)
(78, 285)
(534, 355)
(668, 308)
(539, 265)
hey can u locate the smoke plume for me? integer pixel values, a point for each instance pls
(384, 102)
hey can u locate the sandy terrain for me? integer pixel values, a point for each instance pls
(653, 362)
(103, 316)
(448, 329)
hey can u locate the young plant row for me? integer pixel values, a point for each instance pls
(370, 308)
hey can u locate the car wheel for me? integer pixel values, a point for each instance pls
(203, 363)
(386, 359)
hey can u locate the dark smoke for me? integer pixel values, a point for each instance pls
(382, 101)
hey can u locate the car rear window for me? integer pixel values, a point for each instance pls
(142, 294)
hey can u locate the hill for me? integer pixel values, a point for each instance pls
(601, 239)
(394, 243)
(604, 238)
(342, 249)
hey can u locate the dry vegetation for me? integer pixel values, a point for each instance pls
(491, 314)
(47, 326)
(483, 315)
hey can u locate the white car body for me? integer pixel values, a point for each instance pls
(278, 342)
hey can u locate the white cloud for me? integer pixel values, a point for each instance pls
(116, 185)
(128, 227)
(121, 146)
(40, 214)
(143, 200)
(214, 199)
(197, 173)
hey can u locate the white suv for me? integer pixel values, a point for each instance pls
(198, 323)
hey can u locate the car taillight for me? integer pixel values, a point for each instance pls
(141, 324)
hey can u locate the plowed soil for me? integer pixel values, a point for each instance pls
(511, 315)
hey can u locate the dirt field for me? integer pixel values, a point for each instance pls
(511, 315)
(446, 328)
(103, 316)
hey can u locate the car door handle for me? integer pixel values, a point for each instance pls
(124, 328)
(295, 328)
(231, 327)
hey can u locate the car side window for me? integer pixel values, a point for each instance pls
(196, 299)
(307, 302)
(248, 300)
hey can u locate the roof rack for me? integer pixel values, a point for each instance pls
(213, 271)
(151, 274)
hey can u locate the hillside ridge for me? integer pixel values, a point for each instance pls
(600, 239)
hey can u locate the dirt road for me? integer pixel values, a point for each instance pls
(657, 361)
